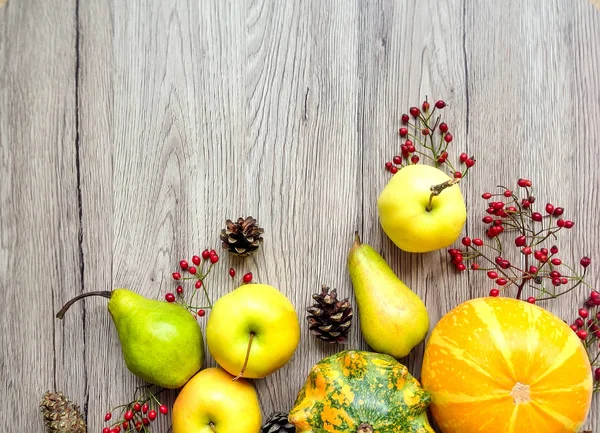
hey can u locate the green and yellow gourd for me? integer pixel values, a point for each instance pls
(363, 392)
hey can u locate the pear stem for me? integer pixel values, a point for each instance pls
(356, 238)
(365, 428)
(437, 190)
(247, 356)
(63, 310)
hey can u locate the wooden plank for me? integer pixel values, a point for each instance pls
(39, 215)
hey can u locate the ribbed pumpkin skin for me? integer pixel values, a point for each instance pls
(479, 351)
(352, 387)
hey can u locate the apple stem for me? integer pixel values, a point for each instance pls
(437, 190)
(212, 427)
(247, 356)
(63, 310)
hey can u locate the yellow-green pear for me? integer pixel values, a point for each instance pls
(162, 343)
(393, 319)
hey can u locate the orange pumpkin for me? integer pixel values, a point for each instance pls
(500, 365)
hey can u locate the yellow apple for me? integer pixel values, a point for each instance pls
(213, 397)
(404, 214)
(252, 331)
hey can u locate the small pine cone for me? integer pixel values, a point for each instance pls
(278, 423)
(330, 319)
(243, 237)
(60, 415)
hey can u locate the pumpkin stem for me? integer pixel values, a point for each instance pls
(437, 190)
(247, 356)
(365, 428)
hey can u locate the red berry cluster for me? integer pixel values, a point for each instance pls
(426, 136)
(136, 416)
(197, 271)
(587, 328)
(537, 268)
(247, 278)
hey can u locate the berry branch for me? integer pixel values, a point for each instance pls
(533, 268)
(137, 415)
(426, 136)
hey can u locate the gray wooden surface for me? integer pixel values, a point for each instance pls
(129, 132)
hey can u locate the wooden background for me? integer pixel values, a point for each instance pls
(130, 130)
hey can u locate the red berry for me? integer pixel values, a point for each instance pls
(152, 415)
(128, 415)
(574, 327)
(405, 118)
(414, 111)
(531, 300)
(556, 261)
(108, 416)
(457, 259)
(440, 104)
(106, 430)
(579, 322)
(597, 374)
(549, 208)
(198, 284)
(533, 269)
(441, 160)
(487, 219)
(196, 259)
(554, 249)
(443, 127)
(163, 409)
(526, 250)
(448, 137)
(569, 224)
(582, 334)
(494, 292)
(192, 270)
(179, 290)
(397, 160)
(466, 241)
(115, 430)
(585, 262)
(410, 147)
(554, 274)
(470, 162)
(403, 132)
(170, 297)
(526, 204)
(425, 131)
(492, 275)
(536, 216)
(501, 281)
(474, 266)
(478, 242)
(212, 253)
(564, 280)
(560, 222)
(183, 264)
(556, 282)
(461, 267)
(486, 195)
(201, 313)
(137, 407)
(394, 170)
(520, 241)
(523, 183)
(145, 421)
(176, 276)
(231, 272)
(425, 105)
(388, 165)
(457, 174)
(558, 211)
(214, 258)
(583, 313)
(247, 277)
(414, 159)
(544, 251)
(145, 408)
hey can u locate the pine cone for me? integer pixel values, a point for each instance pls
(242, 237)
(278, 423)
(60, 415)
(330, 319)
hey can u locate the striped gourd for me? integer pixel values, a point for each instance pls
(360, 392)
(500, 365)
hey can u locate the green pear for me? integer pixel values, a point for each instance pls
(393, 319)
(162, 343)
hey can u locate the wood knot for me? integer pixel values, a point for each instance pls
(520, 393)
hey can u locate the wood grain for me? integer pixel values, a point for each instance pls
(130, 131)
